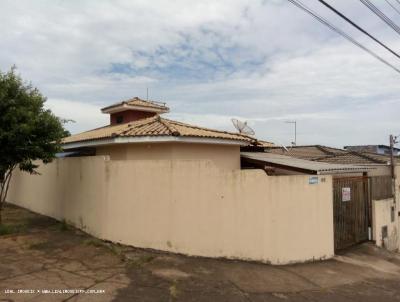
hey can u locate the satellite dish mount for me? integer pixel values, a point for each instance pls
(242, 127)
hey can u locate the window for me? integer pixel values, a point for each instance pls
(120, 119)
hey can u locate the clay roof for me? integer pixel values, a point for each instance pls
(307, 166)
(137, 102)
(262, 143)
(307, 152)
(154, 126)
(332, 155)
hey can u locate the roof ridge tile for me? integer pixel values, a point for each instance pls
(170, 128)
(208, 129)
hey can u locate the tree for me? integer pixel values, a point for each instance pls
(28, 131)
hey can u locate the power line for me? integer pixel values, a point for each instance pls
(342, 33)
(381, 15)
(358, 27)
(392, 6)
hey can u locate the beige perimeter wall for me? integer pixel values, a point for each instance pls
(382, 216)
(186, 206)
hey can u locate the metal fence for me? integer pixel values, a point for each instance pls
(351, 211)
(381, 187)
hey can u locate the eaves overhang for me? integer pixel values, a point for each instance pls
(153, 139)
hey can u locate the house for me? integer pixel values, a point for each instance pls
(379, 149)
(344, 160)
(137, 131)
(151, 182)
(331, 155)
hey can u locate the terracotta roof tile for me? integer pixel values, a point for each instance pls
(140, 103)
(154, 126)
(262, 143)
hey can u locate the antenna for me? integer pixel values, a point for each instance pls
(242, 127)
(147, 93)
(295, 131)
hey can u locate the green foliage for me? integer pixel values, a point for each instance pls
(28, 132)
(173, 291)
(63, 226)
(95, 242)
(11, 229)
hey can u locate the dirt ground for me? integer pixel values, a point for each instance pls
(45, 260)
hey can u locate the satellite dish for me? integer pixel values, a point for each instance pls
(242, 127)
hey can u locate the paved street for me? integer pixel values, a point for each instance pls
(48, 255)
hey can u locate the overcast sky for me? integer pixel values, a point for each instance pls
(261, 61)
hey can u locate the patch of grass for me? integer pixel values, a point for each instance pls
(41, 222)
(115, 250)
(140, 260)
(109, 246)
(7, 229)
(173, 291)
(60, 226)
(147, 258)
(95, 242)
(63, 226)
(40, 245)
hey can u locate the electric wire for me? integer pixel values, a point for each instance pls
(392, 6)
(358, 27)
(342, 33)
(381, 15)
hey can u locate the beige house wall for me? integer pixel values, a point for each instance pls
(379, 170)
(382, 216)
(222, 156)
(186, 206)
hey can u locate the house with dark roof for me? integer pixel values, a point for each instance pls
(365, 194)
(345, 161)
(379, 163)
(379, 149)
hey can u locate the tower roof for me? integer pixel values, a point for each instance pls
(136, 104)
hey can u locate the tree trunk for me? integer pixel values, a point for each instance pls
(5, 183)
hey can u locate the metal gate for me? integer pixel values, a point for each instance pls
(351, 209)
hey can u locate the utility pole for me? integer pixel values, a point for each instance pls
(295, 131)
(393, 141)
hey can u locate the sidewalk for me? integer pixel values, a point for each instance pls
(48, 255)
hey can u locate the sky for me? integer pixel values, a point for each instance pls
(265, 62)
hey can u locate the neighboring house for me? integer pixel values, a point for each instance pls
(378, 164)
(379, 149)
(333, 155)
(137, 131)
(371, 192)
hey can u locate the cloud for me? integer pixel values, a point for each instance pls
(83, 116)
(261, 61)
